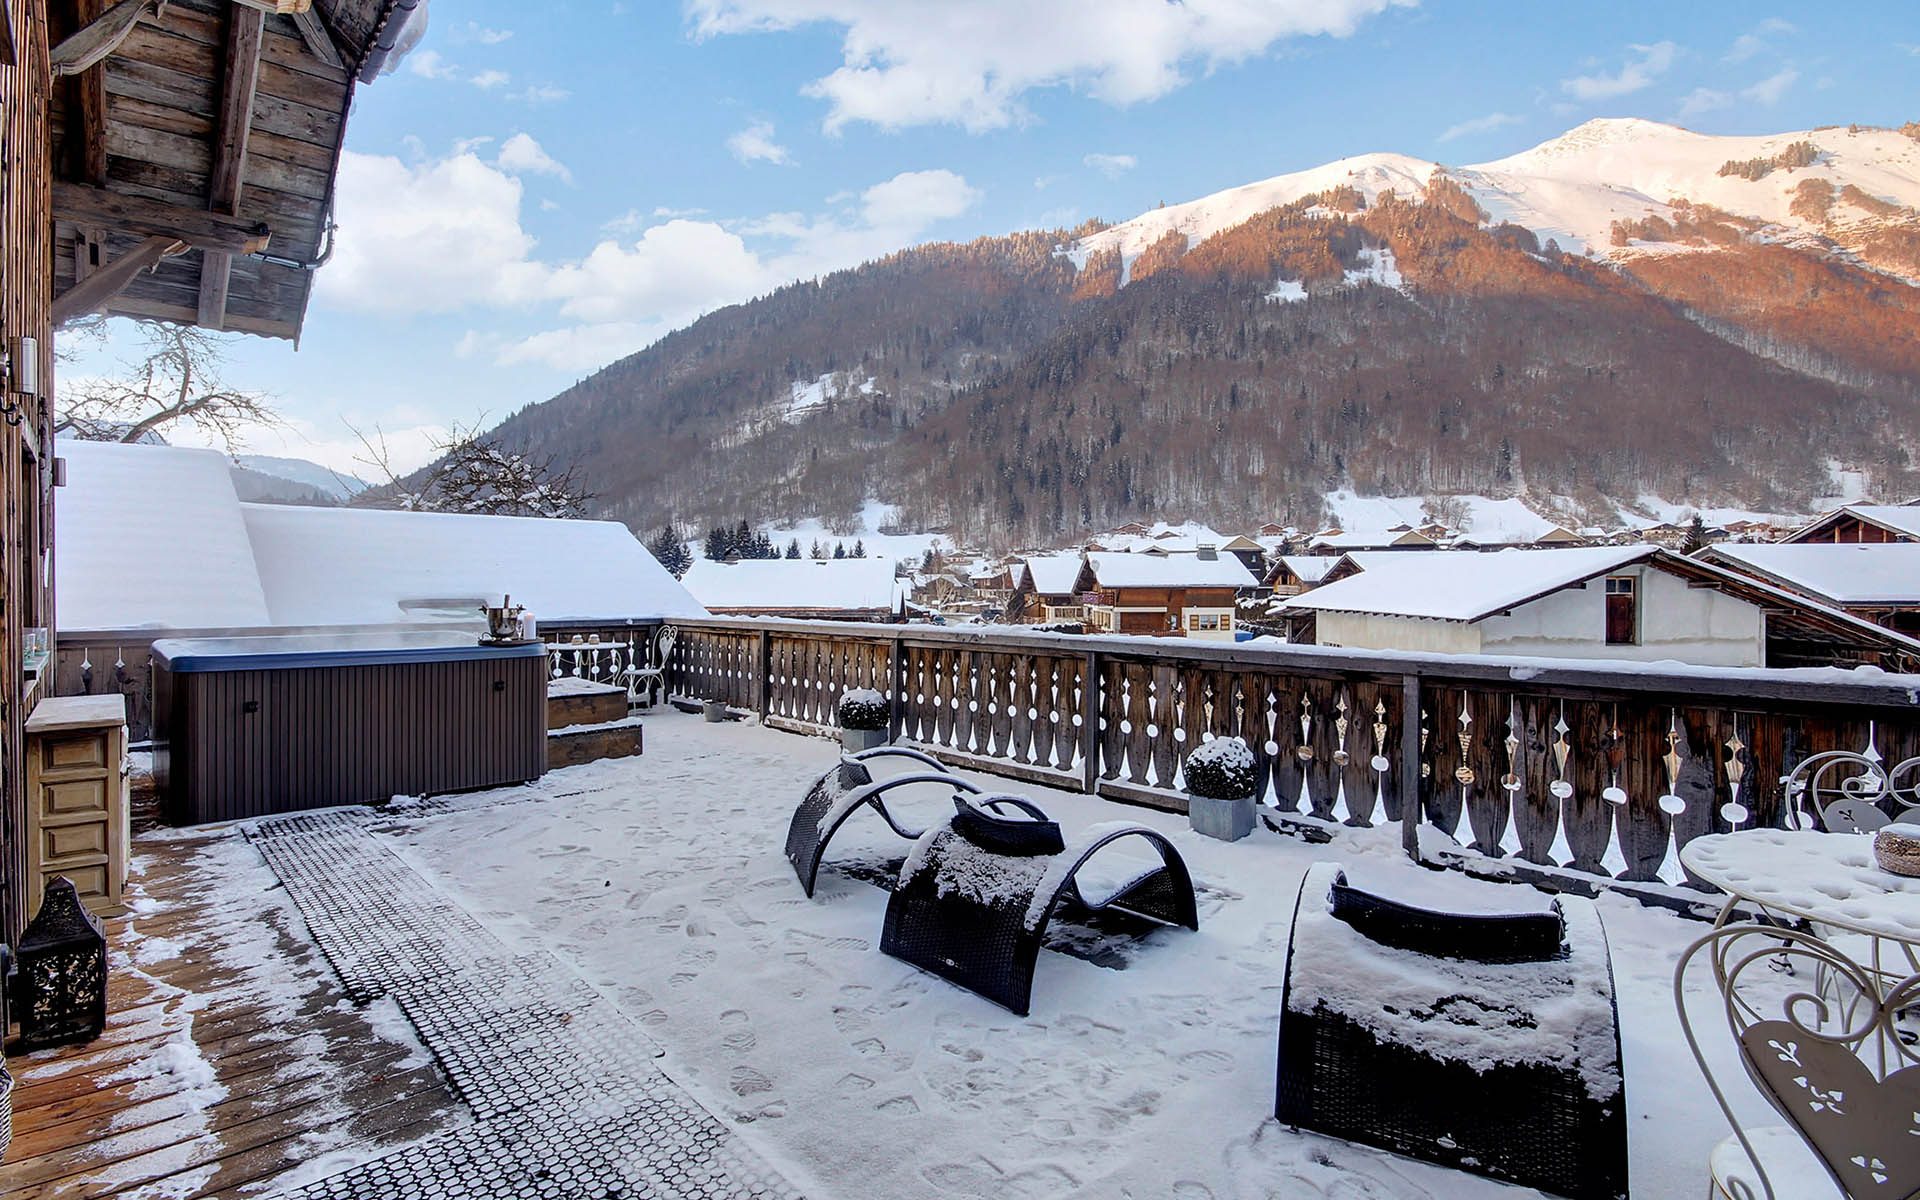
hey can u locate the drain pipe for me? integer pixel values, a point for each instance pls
(392, 33)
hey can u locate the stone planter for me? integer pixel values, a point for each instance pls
(856, 740)
(716, 711)
(1228, 820)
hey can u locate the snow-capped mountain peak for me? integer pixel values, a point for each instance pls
(1575, 187)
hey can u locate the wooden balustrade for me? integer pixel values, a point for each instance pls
(1601, 770)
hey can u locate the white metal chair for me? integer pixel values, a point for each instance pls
(1829, 1058)
(644, 676)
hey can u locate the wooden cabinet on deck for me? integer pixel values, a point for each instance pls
(77, 799)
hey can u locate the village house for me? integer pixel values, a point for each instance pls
(1629, 604)
(834, 589)
(1864, 523)
(1043, 591)
(1338, 541)
(1175, 595)
(1292, 574)
(1879, 582)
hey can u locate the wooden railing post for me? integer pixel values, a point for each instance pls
(763, 676)
(1408, 779)
(1090, 725)
(896, 690)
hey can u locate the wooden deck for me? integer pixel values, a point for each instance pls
(230, 1054)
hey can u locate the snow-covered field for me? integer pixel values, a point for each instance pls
(662, 880)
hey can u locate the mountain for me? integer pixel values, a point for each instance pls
(265, 477)
(1627, 314)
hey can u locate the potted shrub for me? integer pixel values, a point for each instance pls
(1220, 789)
(863, 719)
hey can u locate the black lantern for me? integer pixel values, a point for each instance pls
(62, 972)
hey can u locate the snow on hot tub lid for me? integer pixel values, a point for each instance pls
(187, 655)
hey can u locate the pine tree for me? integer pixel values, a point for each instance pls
(859, 548)
(818, 550)
(793, 548)
(839, 549)
(1696, 539)
(743, 540)
(670, 552)
(718, 543)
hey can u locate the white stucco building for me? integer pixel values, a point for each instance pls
(1619, 603)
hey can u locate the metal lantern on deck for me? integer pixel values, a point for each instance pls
(61, 980)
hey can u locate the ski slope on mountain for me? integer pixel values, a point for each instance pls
(1573, 188)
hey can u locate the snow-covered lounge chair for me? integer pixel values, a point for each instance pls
(1486, 1041)
(843, 790)
(974, 898)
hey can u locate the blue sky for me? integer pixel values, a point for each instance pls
(538, 190)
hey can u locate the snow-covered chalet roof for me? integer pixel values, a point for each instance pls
(795, 584)
(151, 536)
(329, 566)
(1052, 574)
(1846, 573)
(1457, 585)
(1112, 570)
(1310, 568)
(155, 537)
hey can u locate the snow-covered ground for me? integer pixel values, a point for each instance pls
(662, 880)
(909, 548)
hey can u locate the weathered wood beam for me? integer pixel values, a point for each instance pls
(89, 253)
(313, 31)
(106, 282)
(285, 8)
(198, 228)
(88, 162)
(240, 79)
(98, 38)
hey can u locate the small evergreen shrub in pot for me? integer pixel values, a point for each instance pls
(1220, 780)
(863, 719)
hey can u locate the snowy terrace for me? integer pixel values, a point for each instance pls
(1145, 1069)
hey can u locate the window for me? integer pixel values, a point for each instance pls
(1207, 622)
(1623, 611)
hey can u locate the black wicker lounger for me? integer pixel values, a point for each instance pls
(975, 915)
(1483, 1041)
(843, 790)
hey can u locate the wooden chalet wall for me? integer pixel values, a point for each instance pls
(25, 311)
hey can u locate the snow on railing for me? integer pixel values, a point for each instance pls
(1545, 767)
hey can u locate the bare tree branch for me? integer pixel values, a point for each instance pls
(176, 380)
(474, 474)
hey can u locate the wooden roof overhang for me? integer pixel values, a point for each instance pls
(195, 149)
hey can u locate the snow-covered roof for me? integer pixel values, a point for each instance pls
(794, 584)
(1902, 517)
(151, 536)
(1458, 586)
(1052, 574)
(330, 566)
(1363, 539)
(1310, 568)
(1172, 570)
(154, 536)
(1847, 573)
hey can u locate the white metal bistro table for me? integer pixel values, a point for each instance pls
(1824, 895)
(1829, 879)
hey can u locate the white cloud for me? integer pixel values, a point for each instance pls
(755, 144)
(488, 80)
(1772, 88)
(521, 155)
(1638, 73)
(1755, 40)
(540, 93)
(1703, 100)
(1113, 166)
(429, 65)
(434, 236)
(971, 62)
(473, 31)
(912, 200)
(1486, 124)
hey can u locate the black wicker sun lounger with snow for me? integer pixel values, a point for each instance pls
(847, 787)
(974, 898)
(1486, 1041)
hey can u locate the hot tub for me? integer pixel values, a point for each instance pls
(245, 727)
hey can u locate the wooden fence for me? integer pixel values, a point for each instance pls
(1600, 771)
